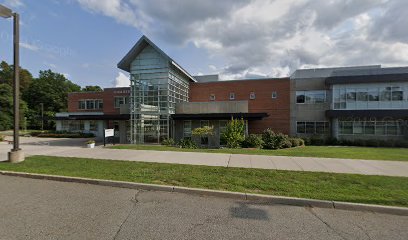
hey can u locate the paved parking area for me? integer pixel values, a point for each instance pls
(42, 209)
(75, 148)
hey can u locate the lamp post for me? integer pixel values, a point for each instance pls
(15, 155)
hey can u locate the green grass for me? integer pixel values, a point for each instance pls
(326, 186)
(391, 154)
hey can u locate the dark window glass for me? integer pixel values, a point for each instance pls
(301, 127)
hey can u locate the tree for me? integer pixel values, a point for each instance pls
(50, 89)
(92, 89)
(234, 133)
(7, 73)
(6, 108)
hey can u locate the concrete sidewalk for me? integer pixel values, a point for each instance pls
(366, 167)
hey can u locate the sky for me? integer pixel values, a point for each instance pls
(85, 39)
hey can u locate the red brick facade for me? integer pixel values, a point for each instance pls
(278, 109)
(107, 96)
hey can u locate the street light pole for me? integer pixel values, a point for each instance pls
(15, 155)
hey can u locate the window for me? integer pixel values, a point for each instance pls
(252, 95)
(204, 139)
(310, 97)
(380, 128)
(187, 129)
(90, 104)
(93, 126)
(274, 94)
(312, 127)
(212, 97)
(397, 94)
(81, 105)
(300, 97)
(385, 94)
(373, 95)
(232, 96)
(120, 100)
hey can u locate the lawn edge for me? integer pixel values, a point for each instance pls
(270, 199)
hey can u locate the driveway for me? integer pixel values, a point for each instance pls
(75, 148)
(42, 209)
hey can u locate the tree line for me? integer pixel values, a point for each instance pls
(48, 91)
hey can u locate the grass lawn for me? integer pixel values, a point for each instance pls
(326, 186)
(391, 154)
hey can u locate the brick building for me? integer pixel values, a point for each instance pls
(165, 101)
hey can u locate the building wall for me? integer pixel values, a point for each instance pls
(276, 108)
(305, 112)
(108, 97)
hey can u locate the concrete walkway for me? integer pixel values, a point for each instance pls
(52, 147)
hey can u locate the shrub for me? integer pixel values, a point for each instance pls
(66, 135)
(90, 142)
(253, 141)
(2, 138)
(274, 140)
(168, 142)
(286, 143)
(234, 133)
(317, 141)
(296, 142)
(187, 143)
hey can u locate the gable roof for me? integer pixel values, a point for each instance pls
(124, 64)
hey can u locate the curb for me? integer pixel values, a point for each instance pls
(268, 199)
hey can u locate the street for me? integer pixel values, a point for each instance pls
(42, 209)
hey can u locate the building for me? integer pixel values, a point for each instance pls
(92, 112)
(165, 101)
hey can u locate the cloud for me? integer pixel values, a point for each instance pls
(254, 38)
(121, 80)
(29, 46)
(14, 3)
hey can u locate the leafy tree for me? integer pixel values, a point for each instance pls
(7, 73)
(234, 133)
(51, 89)
(6, 108)
(92, 89)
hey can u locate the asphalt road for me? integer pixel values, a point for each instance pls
(42, 209)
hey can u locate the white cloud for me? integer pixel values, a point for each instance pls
(29, 46)
(14, 3)
(67, 75)
(121, 80)
(255, 38)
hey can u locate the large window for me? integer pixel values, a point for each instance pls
(370, 96)
(310, 97)
(121, 100)
(90, 104)
(310, 127)
(380, 128)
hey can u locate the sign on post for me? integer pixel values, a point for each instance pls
(108, 133)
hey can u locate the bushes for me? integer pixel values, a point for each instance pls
(274, 140)
(315, 141)
(187, 143)
(66, 135)
(234, 133)
(2, 138)
(168, 142)
(296, 142)
(253, 141)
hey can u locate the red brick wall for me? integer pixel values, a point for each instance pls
(277, 109)
(108, 97)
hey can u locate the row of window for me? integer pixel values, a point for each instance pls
(187, 126)
(312, 127)
(252, 96)
(90, 104)
(78, 125)
(381, 128)
(311, 97)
